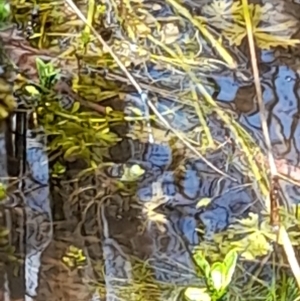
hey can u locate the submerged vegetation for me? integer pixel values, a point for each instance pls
(96, 74)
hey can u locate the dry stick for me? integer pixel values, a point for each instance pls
(61, 87)
(143, 95)
(283, 235)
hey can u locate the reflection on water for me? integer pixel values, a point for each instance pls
(164, 239)
(117, 237)
(27, 215)
(110, 245)
(280, 84)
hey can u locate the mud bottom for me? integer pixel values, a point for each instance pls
(118, 267)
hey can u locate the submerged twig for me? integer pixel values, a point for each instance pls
(63, 87)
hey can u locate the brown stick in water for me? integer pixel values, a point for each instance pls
(62, 87)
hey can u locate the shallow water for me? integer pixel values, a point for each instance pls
(117, 235)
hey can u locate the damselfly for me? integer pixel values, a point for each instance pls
(274, 203)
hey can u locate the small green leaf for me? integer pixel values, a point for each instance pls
(94, 164)
(135, 111)
(217, 275)
(16, 271)
(40, 67)
(72, 127)
(85, 37)
(74, 150)
(101, 9)
(58, 168)
(4, 232)
(132, 173)
(203, 202)
(10, 249)
(196, 294)
(75, 107)
(230, 265)
(49, 117)
(3, 241)
(32, 90)
(4, 11)
(108, 110)
(11, 258)
(2, 192)
(202, 263)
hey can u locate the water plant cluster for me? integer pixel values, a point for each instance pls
(75, 66)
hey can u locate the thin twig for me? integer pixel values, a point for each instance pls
(62, 87)
(258, 88)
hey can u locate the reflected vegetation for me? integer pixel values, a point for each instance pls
(99, 199)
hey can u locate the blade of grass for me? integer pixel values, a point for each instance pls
(201, 118)
(290, 253)
(91, 10)
(265, 130)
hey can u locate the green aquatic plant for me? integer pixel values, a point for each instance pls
(58, 169)
(4, 12)
(254, 240)
(4, 232)
(47, 73)
(271, 26)
(74, 131)
(217, 276)
(287, 289)
(131, 173)
(251, 237)
(7, 101)
(7, 251)
(74, 258)
(2, 192)
(138, 282)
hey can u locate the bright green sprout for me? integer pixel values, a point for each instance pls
(218, 276)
